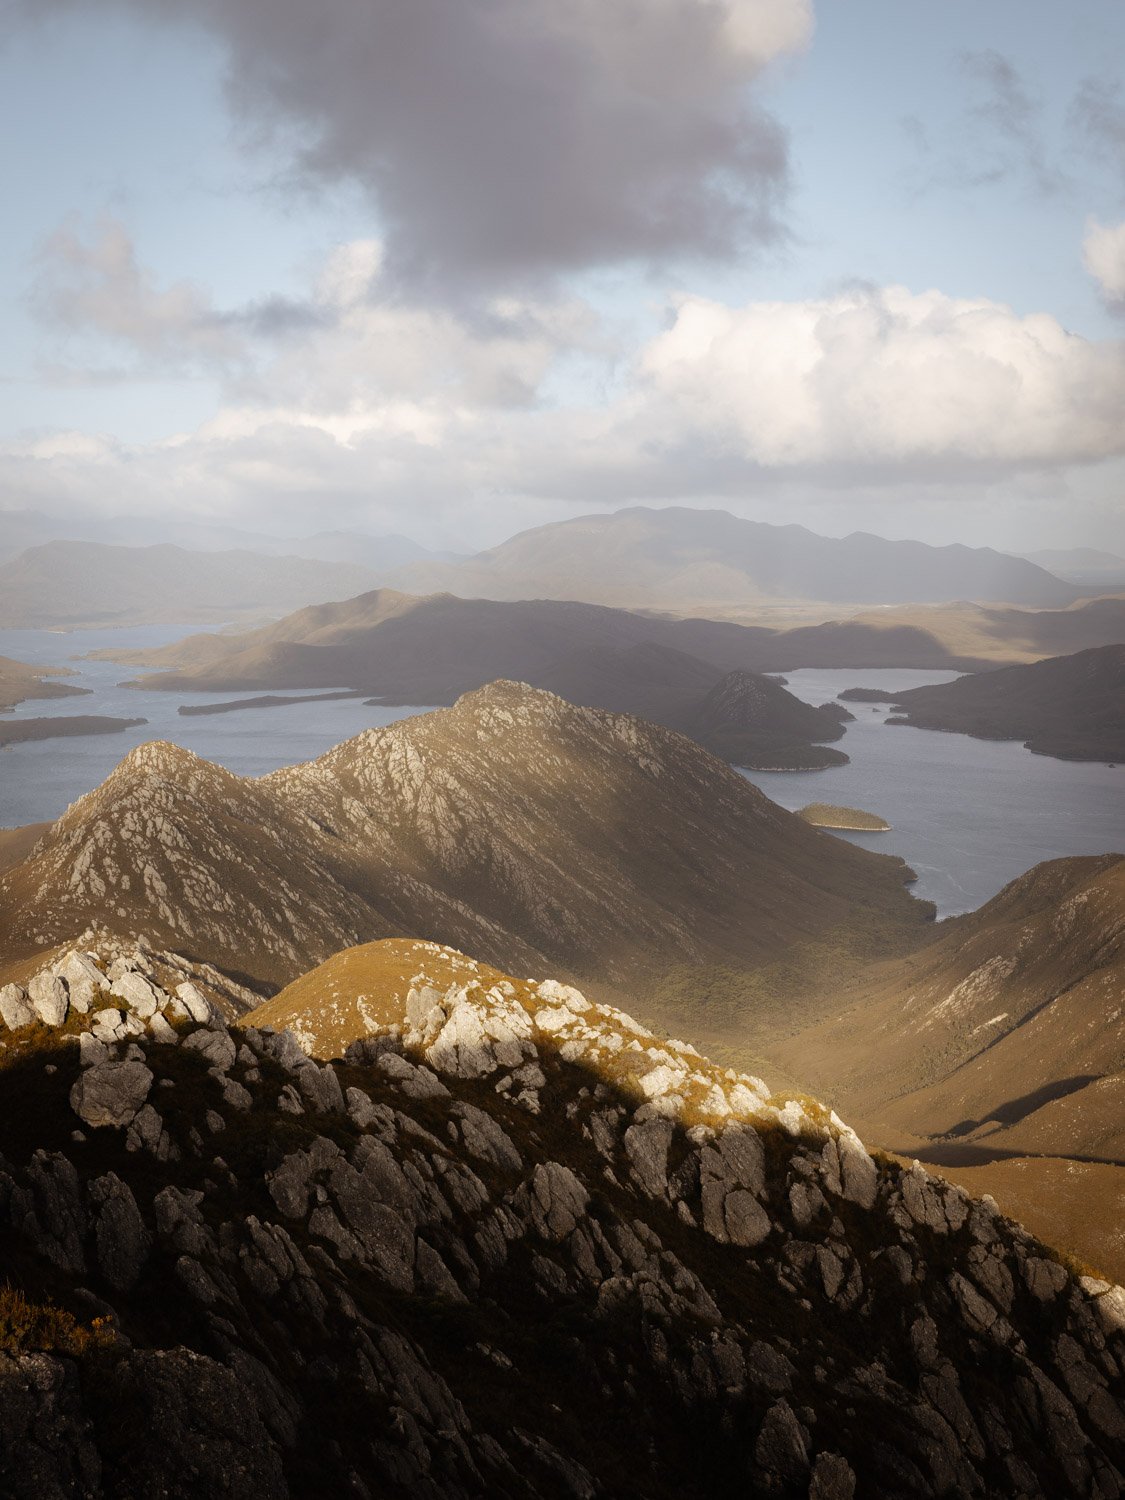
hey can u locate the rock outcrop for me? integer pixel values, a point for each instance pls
(511, 1243)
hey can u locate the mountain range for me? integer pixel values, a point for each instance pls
(24, 529)
(688, 561)
(698, 560)
(530, 832)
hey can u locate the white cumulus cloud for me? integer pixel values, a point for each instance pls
(1103, 253)
(877, 377)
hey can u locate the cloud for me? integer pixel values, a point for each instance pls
(885, 378)
(348, 349)
(1098, 114)
(369, 350)
(1006, 118)
(95, 284)
(1103, 254)
(872, 390)
(997, 135)
(92, 286)
(504, 139)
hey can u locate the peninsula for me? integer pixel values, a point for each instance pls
(1071, 707)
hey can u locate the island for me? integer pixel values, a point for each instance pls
(269, 700)
(869, 695)
(851, 819)
(17, 731)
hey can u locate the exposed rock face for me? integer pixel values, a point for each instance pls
(511, 1218)
(541, 836)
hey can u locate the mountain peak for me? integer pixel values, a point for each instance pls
(514, 825)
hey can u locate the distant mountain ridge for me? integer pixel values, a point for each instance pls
(23, 529)
(1081, 565)
(677, 558)
(63, 584)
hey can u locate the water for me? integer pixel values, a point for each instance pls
(968, 815)
(39, 779)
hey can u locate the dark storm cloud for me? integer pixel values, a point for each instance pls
(504, 139)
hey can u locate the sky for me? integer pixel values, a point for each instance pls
(462, 267)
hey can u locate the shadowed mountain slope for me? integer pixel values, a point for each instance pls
(1005, 1032)
(679, 558)
(513, 1244)
(431, 650)
(1068, 706)
(514, 824)
(743, 717)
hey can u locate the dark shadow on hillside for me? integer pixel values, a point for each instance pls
(1014, 1110)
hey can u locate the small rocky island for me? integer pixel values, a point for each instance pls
(825, 815)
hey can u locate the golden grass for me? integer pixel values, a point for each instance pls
(40, 1327)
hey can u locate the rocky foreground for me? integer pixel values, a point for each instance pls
(511, 1244)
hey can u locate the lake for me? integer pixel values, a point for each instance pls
(968, 815)
(39, 779)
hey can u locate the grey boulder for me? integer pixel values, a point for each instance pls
(111, 1093)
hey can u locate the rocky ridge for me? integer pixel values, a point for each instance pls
(510, 1244)
(533, 833)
